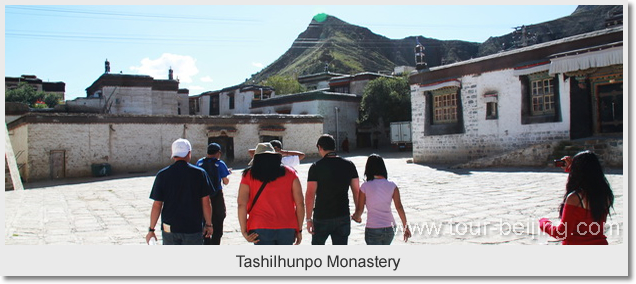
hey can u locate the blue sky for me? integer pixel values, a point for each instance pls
(213, 47)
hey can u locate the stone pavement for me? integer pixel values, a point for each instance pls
(484, 206)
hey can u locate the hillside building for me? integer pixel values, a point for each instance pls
(317, 81)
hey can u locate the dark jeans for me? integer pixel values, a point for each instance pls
(182, 239)
(379, 236)
(218, 216)
(338, 228)
(275, 236)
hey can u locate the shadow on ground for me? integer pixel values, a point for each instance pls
(385, 152)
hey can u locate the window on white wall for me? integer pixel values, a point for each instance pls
(491, 110)
(542, 90)
(231, 101)
(444, 111)
(445, 107)
(540, 98)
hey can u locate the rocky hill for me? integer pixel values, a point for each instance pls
(346, 48)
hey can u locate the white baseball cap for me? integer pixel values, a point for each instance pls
(180, 148)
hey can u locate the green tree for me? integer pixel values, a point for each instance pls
(51, 99)
(26, 94)
(386, 98)
(284, 85)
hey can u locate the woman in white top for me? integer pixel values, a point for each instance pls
(377, 193)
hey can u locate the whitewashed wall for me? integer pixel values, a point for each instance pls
(347, 116)
(483, 137)
(130, 146)
(242, 102)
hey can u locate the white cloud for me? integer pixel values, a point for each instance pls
(183, 66)
(257, 64)
(207, 79)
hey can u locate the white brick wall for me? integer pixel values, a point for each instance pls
(139, 147)
(347, 116)
(242, 102)
(135, 100)
(483, 137)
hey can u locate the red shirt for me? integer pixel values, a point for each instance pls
(275, 208)
(577, 227)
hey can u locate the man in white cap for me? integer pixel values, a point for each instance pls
(181, 194)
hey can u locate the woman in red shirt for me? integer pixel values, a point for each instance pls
(586, 203)
(276, 218)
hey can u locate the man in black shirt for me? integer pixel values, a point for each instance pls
(328, 183)
(181, 194)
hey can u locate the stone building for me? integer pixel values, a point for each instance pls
(59, 145)
(228, 101)
(563, 90)
(353, 84)
(318, 81)
(337, 100)
(118, 93)
(58, 88)
(363, 135)
(340, 111)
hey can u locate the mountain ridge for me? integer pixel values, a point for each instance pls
(331, 44)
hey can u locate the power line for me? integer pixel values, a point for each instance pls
(123, 38)
(8, 9)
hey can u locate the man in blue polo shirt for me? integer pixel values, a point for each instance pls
(218, 172)
(181, 194)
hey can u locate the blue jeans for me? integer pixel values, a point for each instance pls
(379, 236)
(275, 236)
(338, 228)
(182, 239)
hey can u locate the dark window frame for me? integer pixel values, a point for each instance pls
(492, 110)
(214, 105)
(527, 116)
(430, 128)
(231, 103)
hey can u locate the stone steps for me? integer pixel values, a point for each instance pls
(609, 151)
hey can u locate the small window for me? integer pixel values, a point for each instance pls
(231, 100)
(194, 106)
(342, 89)
(491, 110)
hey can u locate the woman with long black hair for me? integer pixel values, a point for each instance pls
(271, 195)
(586, 203)
(376, 193)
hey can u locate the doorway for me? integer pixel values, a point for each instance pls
(58, 165)
(610, 108)
(227, 147)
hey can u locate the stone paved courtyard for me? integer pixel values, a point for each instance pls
(472, 207)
